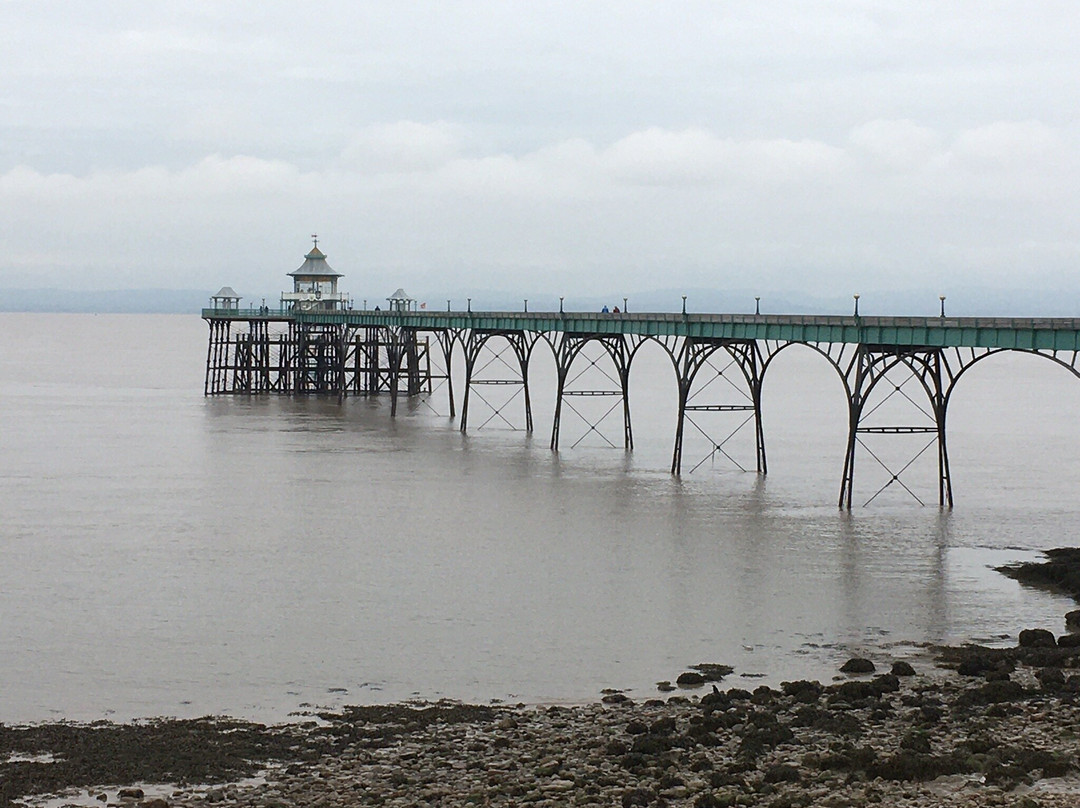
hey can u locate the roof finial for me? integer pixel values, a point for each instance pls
(315, 237)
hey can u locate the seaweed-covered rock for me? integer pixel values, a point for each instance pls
(902, 668)
(802, 690)
(1037, 638)
(711, 671)
(993, 692)
(1051, 678)
(910, 765)
(782, 773)
(1061, 571)
(858, 665)
(690, 679)
(763, 695)
(885, 683)
(852, 692)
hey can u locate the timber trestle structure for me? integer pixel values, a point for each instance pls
(898, 373)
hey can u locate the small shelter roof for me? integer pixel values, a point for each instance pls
(400, 294)
(227, 292)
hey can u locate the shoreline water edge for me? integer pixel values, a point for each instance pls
(965, 726)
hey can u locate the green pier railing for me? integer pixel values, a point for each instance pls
(1020, 333)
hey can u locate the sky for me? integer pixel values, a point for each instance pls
(589, 148)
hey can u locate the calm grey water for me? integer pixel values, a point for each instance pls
(168, 554)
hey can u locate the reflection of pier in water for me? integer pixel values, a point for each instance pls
(898, 373)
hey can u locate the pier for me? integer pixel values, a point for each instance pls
(314, 343)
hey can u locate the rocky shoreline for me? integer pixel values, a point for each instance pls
(994, 727)
(978, 727)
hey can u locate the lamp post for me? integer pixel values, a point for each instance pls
(469, 304)
(624, 305)
(757, 305)
(560, 305)
(942, 299)
(684, 305)
(526, 305)
(856, 305)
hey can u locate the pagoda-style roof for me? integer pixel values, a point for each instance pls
(400, 294)
(315, 266)
(226, 292)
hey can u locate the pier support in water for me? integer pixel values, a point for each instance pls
(717, 392)
(879, 374)
(320, 360)
(487, 363)
(570, 347)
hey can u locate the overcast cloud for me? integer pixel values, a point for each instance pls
(546, 148)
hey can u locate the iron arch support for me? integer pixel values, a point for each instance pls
(568, 347)
(870, 367)
(520, 342)
(693, 355)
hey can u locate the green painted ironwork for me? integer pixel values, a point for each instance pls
(1018, 333)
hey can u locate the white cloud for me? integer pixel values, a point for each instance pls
(605, 143)
(895, 145)
(1011, 145)
(402, 147)
(893, 199)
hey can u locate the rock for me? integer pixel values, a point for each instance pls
(130, 794)
(666, 686)
(615, 698)
(1069, 641)
(712, 671)
(802, 691)
(663, 726)
(782, 773)
(858, 665)
(1037, 638)
(1072, 619)
(714, 699)
(559, 786)
(993, 692)
(762, 695)
(1060, 572)
(901, 668)
(690, 679)
(636, 796)
(885, 683)
(1051, 678)
(852, 691)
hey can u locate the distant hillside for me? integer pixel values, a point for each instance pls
(915, 303)
(123, 301)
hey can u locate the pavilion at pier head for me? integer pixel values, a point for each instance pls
(318, 342)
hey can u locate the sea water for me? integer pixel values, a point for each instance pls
(165, 553)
